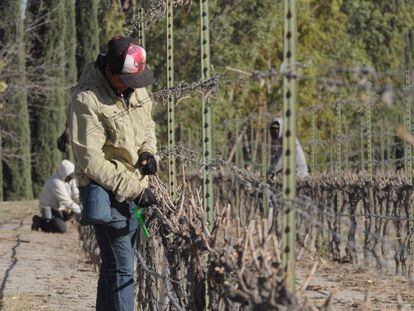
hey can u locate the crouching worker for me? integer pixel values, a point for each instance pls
(59, 200)
(276, 160)
(113, 142)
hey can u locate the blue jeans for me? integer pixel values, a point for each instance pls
(116, 241)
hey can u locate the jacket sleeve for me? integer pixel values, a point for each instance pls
(150, 143)
(74, 191)
(63, 196)
(88, 139)
(276, 160)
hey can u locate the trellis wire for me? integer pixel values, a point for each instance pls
(320, 218)
(290, 204)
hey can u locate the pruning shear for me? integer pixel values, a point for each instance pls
(138, 215)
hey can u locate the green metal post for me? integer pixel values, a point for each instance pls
(408, 150)
(141, 29)
(172, 174)
(390, 148)
(338, 149)
(265, 167)
(339, 138)
(331, 153)
(313, 146)
(362, 145)
(289, 146)
(347, 168)
(240, 213)
(207, 132)
(369, 134)
(382, 147)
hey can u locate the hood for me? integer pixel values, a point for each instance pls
(278, 120)
(65, 169)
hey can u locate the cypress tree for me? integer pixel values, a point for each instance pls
(17, 181)
(112, 21)
(87, 29)
(1, 172)
(71, 73)
(3, 88)
(47, 103)
(104, 7)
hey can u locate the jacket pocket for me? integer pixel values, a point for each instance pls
(114, 120)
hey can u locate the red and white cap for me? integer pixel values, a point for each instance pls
(134, 59)
(128, 61)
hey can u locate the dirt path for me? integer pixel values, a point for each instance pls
(350, 283)
(41, 271)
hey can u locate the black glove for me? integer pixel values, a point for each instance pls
(146, 199)
(147, 163)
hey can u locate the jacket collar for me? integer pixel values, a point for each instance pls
(127, 94)
(93, 75)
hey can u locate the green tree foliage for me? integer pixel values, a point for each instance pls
(248, 35)
(71, 71)
(70, 44)
(111, 22)
(17, 181)
(47, 100)
(381, 27)
(87, 29)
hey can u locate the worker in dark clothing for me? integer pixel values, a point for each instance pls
(276, 160)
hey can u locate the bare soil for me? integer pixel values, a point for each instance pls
(355, 287)
(41, 271)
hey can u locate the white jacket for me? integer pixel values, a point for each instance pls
(57, 193)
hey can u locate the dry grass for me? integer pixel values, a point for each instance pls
(17, 210)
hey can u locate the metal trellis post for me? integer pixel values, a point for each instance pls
(172, 174)
(369, 134)
(362, 132)
(390, 150)
(238, 207)
(207, 133)
(347, 166)
(141, 28)
(313, 146)
(339, 139)
(408, 149)
(382, 150)
(289, 146)
(339, 148)
(331, 153)
(265, 152)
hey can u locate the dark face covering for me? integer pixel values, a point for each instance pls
(274, 131)
(70, 177)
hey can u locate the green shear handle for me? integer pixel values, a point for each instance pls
(138, 215)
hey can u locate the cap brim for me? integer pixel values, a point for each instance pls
(136, 81)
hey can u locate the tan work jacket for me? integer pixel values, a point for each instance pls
(108, 136)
